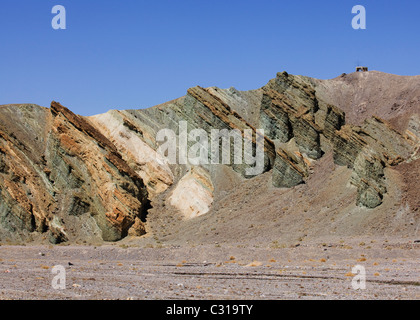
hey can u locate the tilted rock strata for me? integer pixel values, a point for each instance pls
(292, 110)
(69, 169)
(128, 137)
(72, 177)
(193, 195)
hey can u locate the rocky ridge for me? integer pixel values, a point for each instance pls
(60, 171)
(72, 177)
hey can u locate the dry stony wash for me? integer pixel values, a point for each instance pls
(341, 161)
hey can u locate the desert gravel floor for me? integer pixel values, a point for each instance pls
(306, 271)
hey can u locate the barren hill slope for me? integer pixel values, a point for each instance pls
(364, 94)
(340, 159)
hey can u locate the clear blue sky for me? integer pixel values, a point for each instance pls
(135, 54)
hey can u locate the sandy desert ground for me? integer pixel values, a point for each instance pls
(219, 272)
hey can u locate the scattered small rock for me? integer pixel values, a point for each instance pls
(254, 264)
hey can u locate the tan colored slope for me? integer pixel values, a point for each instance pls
(365, 94)
(149, 164)
(252, 212)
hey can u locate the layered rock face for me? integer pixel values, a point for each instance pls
(61, 177)
(291, 109)
(68, 177)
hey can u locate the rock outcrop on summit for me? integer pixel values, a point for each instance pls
(65, 177)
